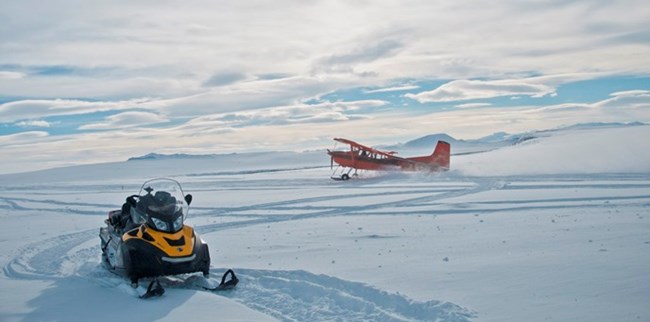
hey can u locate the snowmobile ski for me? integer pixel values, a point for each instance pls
(154, 289)
(228, 281)
(226, 284)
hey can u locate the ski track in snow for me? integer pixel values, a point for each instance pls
(66, 207)
(300, 295)
(47, 259)
(434, 202)
(303, 296)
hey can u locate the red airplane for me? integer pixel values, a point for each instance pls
(361, 157)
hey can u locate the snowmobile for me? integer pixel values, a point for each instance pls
(148, 238)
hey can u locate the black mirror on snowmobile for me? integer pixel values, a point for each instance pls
(131, 200)
(188, 199)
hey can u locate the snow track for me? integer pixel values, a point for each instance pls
(303, 296)
(55, 257)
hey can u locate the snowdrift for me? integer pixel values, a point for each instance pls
(607, 150)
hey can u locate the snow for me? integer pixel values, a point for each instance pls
(587, 151)
(554, 228)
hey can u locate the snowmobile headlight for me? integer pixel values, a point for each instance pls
(160, 225)
(178, 223)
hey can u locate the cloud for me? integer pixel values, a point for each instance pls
(220, 79)
(11, 75)
(575, 107)
(638, 92)
(626, 99)
(126, 85)
(250, 95)
(462, 90)
(186, 41)
(473, 105)
(392, 89)
(22, 138)
(292, 114)
(32, 109)
(33, 123)
(346, 63)
(126, 120)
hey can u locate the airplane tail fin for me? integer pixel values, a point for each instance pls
(440, 156)
(439, 159)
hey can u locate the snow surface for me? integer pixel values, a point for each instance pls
(555, 228)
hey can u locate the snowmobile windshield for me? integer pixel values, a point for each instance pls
(161, 205)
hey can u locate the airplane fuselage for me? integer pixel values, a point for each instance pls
(370, 161)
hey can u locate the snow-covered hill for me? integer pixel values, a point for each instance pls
(425, 144)
(553, 228)
(591, 150)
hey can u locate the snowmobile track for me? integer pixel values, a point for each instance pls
(303, 296)
(50, 258)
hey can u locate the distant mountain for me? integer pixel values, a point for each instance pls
(235, 157)
(496, 137)
(158, 156)
(429, 141)
(426, 143)
(581, 126)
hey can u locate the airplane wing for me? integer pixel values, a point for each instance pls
(365, 148)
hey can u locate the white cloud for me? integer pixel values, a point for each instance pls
(631, 93)
(250, 95)
(392, 89)
(224, 78)
(461, 90)
(11, 75)
(291, 114)
(32, 109)
(184, 44)
(22, 138)
(125, 120)
(33, 123)
(627, 99)
(370, 52)
(473, 105)
(121, 86)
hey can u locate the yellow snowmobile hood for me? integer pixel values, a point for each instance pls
(178, 244)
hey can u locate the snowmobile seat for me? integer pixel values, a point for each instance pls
(121, 220)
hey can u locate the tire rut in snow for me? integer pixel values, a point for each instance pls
(303, 296)
(50, 258)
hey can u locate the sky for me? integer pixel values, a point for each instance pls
(101, 81)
